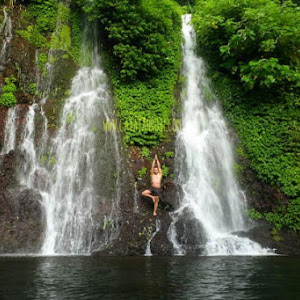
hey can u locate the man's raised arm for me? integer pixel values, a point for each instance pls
(158, 164)
(153, 164)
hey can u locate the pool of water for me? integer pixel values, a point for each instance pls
(149, 278)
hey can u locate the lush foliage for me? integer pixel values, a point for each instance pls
(139, 32)
(45, 13)
(252, 47)
(282, 216)
(142, 172)
(145, 107)
(51, 24)
(255, 40)
(7, 97)
(269, 130)
(143, 54)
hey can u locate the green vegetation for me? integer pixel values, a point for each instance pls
(32, 89)
(142, 39)
(165, 171)
(33, 36)
(51, 24)
(169, 154)
(44, 13)
(287, 216)
(7, 97)
(252, 48)
(256, 41)
(145, 152)
(70, 118)
(47, 159)
(142, 172)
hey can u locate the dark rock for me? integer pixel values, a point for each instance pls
(190, 233)
(285, 242)
(21, 225)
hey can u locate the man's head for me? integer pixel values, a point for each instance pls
(155, 170)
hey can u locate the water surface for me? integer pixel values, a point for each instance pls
(149, 278)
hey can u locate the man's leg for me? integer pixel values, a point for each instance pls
(147, 193)
(156, 200)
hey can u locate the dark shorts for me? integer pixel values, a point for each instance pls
(155, 191)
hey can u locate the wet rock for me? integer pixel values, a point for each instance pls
(21, 218)
(285, 242)
(170, 192)
(190, 233)
(21, 225)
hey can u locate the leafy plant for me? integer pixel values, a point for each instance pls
(33, 36)
(32, 89)
(45, 13)
(169, 154)
(165, 171)
(53, 21)
(255, 41)
(146, 153)
(7, 97)
(282, 216)
(70, 118)
(43, 159)
(255, 215)
(142, 172)
(42, 60)
(107, 223)
(52, 160)
(143, 43)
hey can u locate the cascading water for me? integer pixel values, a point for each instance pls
(6, 29)
(210, 193)
(71, 198)
(10, 131)
(148, 247)
(77, 170)
(76, 175)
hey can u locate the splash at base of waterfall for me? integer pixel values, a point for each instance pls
(229, 244)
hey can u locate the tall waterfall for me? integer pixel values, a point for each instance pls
(71, 199)
(6, 30)
(210, 193)
(76, 169)
(77, 172)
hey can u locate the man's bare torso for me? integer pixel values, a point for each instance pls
(156, 180)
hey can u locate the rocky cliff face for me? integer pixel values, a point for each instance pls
(21, 216)
(21, 212)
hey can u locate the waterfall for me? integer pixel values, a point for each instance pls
(211, 197)
(6, 28)
(10, 131)
(71, 198)
(148, 247)
(76, 169)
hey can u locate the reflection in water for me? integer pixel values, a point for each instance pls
(149, 278)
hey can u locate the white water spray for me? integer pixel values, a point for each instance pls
(77, 171)
(70, 202)
(6, 28)
(148, 247)
(10, 131)
(210, 192)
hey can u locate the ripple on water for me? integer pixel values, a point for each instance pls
(149, 278)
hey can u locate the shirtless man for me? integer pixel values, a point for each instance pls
(154, 191)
